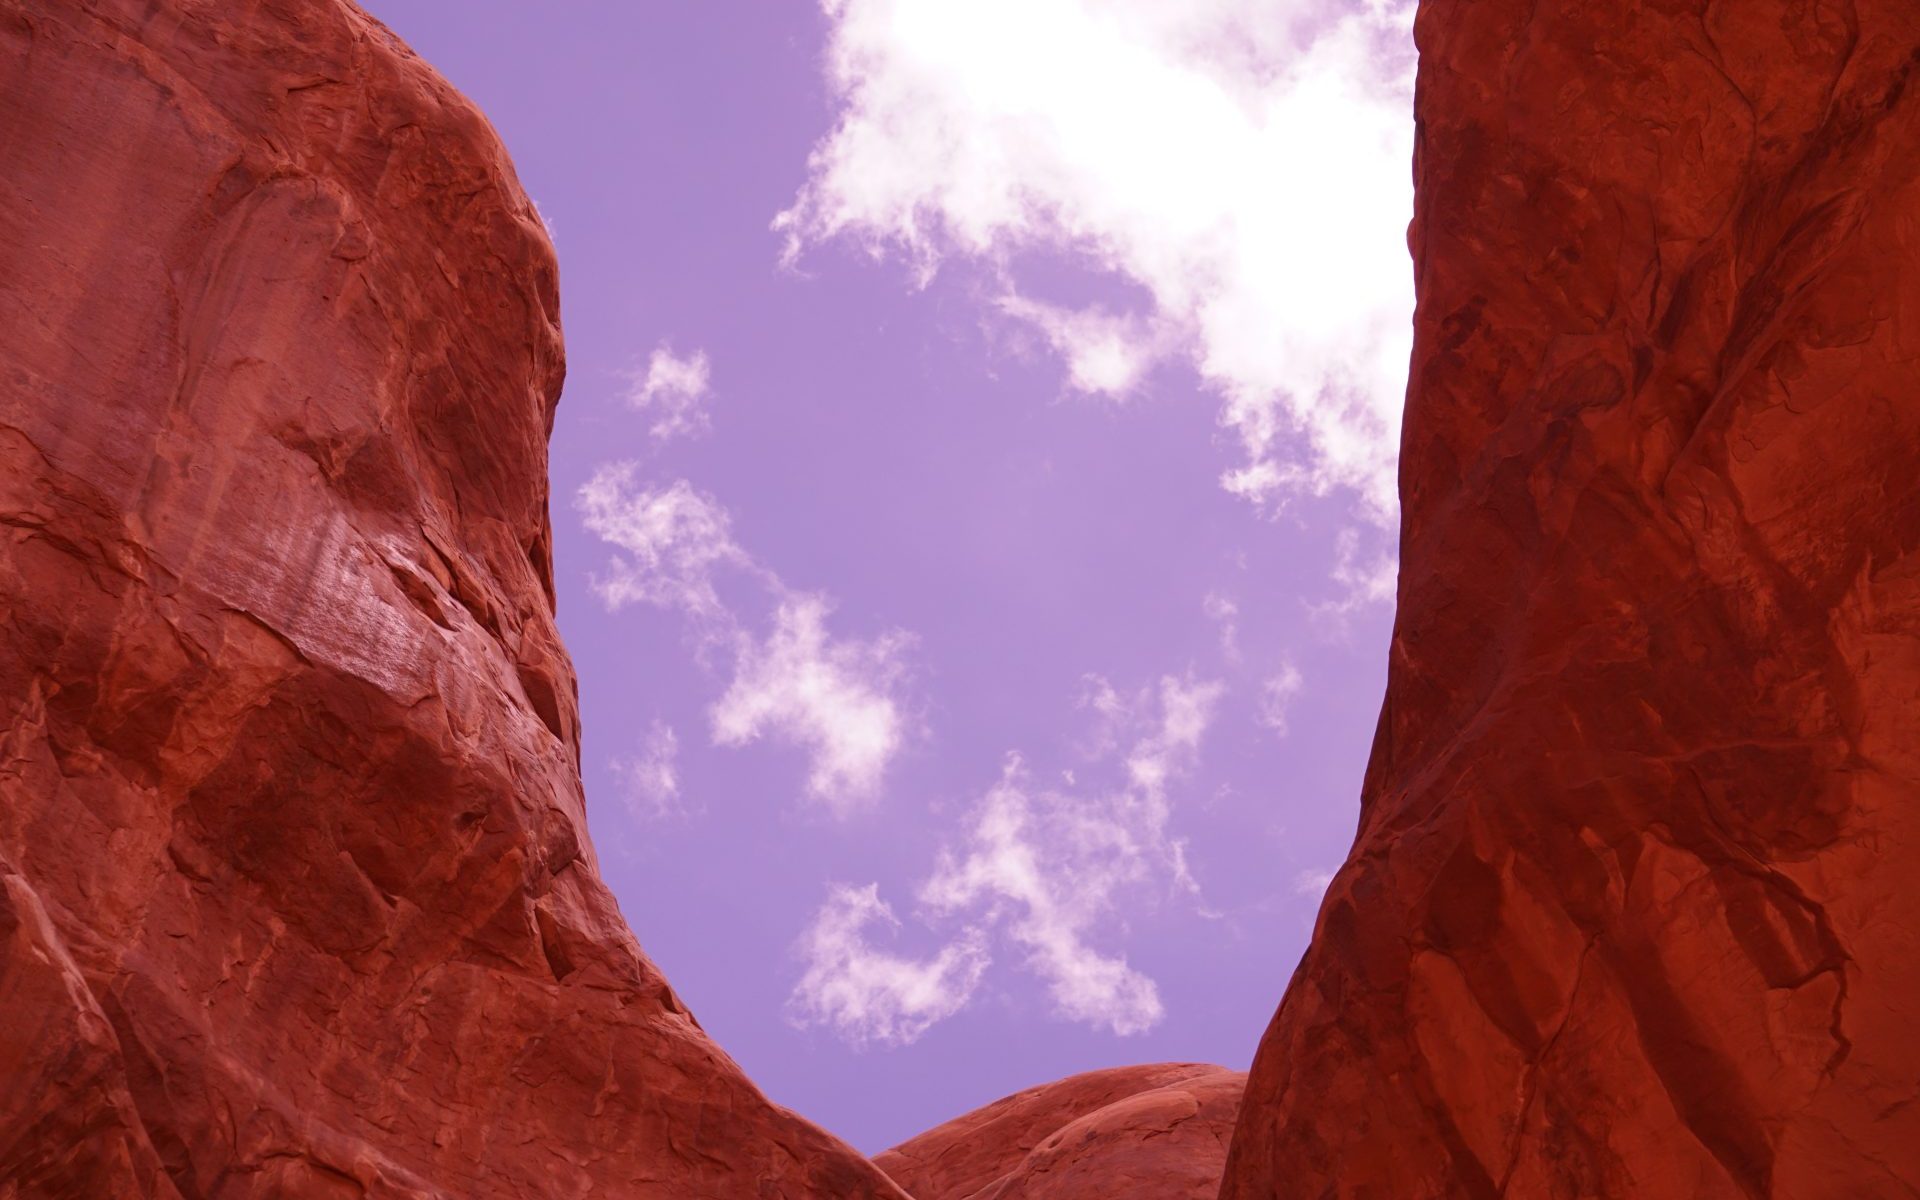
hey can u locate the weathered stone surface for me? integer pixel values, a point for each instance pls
(1632, 909)
(1157, 1131)
(296, 897)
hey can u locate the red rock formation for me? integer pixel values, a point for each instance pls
(296, 897)
(1632, 911)
(1155, 1131)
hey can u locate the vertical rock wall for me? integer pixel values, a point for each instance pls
(296, 897)
(1632, 910)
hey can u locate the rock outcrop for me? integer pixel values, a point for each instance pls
(1631, 909)
(1155, 1131)
(296, 897)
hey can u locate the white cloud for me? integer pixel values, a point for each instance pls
(1276, 696)
(1113, 715)
(866, 994)
(833, 697)
(1048, 866)
(837, 698)
(676, 538)
(1106, 352)
(651, 779)
(1364, 579)
(674, 391)
(1244, 163)
(1313, 881)
(1224, 611)
(1186, 708)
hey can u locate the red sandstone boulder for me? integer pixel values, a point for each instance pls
(296, 897)
(1155, 1131)
(1632, 910)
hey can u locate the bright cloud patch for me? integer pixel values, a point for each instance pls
(1052, 864)
(1049, 865)
(674, 538)
(1186, 708)
(650, 778)
(1046, 868)
(1106, 353)
(832, 697)
(673, 390)
(1277, 694)
(866, 994)
(1246, 163)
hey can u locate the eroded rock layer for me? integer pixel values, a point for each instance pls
(1157, 1131)
(296, 897)
(1631, 910)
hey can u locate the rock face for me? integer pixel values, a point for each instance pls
(1631, 909)
(296, 897)
(1156, 1131)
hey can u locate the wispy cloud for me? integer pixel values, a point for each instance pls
(866, 994)
(1277, 694)
(1246, 164)
(1046, 868)
(835, 698)
(1364, 578)
(1313, 882)
(675, 539)
(1048, 865)
(838, 699)
(673, 391)
(1224, 612)
(650, 779)
(1106, 353)
(1186, 709)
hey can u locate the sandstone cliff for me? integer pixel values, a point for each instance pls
(1632, 908)
(296, 897)
(1156, 1131)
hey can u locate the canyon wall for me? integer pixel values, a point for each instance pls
(296, 896)
(1632, 906)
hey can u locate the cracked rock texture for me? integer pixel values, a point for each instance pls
(1158, 1131)
(296, 898)
(1632, 908)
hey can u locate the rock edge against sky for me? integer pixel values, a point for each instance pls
(296, 892)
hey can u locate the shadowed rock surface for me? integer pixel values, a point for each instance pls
(1632, 908)
(1158, 1130)
(296, 897)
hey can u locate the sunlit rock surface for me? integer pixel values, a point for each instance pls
(1633, 907)
(296, 897)
(1157, 1131)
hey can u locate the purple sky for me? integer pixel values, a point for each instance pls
(1042, 446)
